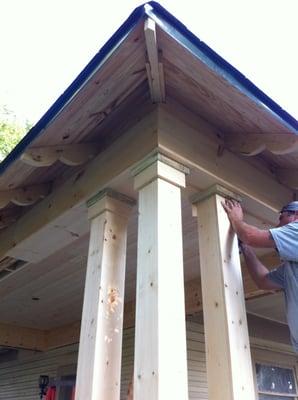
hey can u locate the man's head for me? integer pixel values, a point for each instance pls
(289, 213)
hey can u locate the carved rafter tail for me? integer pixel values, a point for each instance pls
(154, 66)
(253, 144)
(24, 196)
(71, 155)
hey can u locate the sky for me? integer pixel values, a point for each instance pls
(45, 44)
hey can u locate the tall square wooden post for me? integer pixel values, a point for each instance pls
(229, 367)
(99, 362)
(160, 368)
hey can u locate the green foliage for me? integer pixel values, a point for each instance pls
(11, 131)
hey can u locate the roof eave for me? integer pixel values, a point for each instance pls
(180, 33)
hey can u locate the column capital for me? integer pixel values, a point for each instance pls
(158, 165)
(214, 190)
(109, 200)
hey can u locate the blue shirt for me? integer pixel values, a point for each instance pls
(286, 275)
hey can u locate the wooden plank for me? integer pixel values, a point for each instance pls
(193, 142)
(154, 68)
(63, 336)
(205, 91)
(22, 337)
(229, 367)
(160, 368)
(71, 154)
(288, 177)
(24, 196)
(99, 362)
(251, 144)
(124, 153)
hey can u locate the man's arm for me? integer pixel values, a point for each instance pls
(257, 270)
(248, 234)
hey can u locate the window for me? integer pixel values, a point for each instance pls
(276, 383)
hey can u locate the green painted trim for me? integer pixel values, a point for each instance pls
(110, 193)
(157, 156)
(213, 190)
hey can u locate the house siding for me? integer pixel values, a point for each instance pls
(19, 378)
(197, 379)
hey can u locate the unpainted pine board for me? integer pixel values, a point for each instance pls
(123, 116)
(218, 87)
(113, 78)
(229, 367)
(186, 137)
(131, 60)
(73, 253)
(197, 99)
(160, 237)
(99, 361)
(127, 150)
(21, 337)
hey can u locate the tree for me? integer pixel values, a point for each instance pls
(11, 131)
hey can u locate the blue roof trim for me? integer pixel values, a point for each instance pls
(178, 31)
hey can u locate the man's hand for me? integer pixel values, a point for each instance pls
(233, 210)
(248, 234)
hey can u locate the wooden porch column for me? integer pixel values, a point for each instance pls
(160, 368)
(229, 367)
(99, 362)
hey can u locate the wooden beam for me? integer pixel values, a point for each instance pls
(288, 177)
(251, 144)
(228, 358)
(24, 196)
(99, 172)
(154, 67)
(9, 216)
(160, 367)
(71, 154)
(188, 139)
(181, 135)
(99, 361)
(63, 336)
(22, 338)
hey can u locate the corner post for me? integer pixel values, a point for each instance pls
(99, 362)
(229, 366)
(160, 367)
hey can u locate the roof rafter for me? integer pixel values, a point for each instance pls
(24, 196)
(70, 154)
(252, 144)
(153, 66)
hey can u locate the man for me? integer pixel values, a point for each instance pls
(284, 238)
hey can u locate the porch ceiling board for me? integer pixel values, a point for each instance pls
(104, 92)
(210, 95)
(114, 103)
(58, 280)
